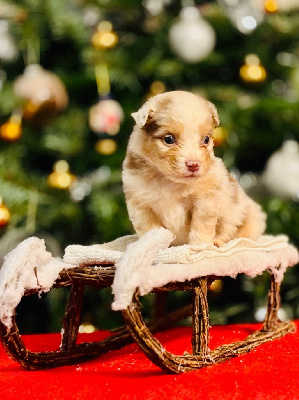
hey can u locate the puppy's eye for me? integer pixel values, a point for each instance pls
(169, 139)
(206, 140)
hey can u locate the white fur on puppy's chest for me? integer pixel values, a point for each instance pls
(166, 201)
(174, 216)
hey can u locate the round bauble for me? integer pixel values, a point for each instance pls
(245, 15)
(281, 174)
(106, 117)
(44, 94)
(192, 38)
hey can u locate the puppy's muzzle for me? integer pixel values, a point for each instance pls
(192, 166)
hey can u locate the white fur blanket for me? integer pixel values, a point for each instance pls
(142, 264)
(149, 262)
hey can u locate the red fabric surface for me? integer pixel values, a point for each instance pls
(268, 372)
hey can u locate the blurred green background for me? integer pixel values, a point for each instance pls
(72, 72)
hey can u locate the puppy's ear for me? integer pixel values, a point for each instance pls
(144, 114)
(215, 116)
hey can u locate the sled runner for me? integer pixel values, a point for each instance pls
(133, 267)
(101, 277)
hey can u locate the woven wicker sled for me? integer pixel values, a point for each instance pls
(70, 352)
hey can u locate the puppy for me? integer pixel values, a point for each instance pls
(172, 179)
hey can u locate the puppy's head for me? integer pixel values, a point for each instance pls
(174, 132)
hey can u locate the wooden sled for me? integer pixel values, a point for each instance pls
(101, 276)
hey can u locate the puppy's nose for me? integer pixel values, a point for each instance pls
(192, 165)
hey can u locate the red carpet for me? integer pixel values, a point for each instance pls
(269, 372)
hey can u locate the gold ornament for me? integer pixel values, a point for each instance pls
(61, 178)
(216, 286)
(12, 129)
(44, 94)
(86, 328)
(4, 214)
(156, 87)
(271, 6)
(220, 135)
(106, 146)
(104, 37)
(252, 70)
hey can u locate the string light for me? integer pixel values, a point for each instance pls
(104, 37)
(12, 129)
(61, 178)
(106, 146)
(252, 70)
(157, 87)
(271, 6)
(4, 214)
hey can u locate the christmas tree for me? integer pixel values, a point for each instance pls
(71, 74)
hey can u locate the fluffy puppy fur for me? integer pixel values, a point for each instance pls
(172, 179)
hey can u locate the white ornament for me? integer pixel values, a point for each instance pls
(91, 15)
(192, 38)
(106, 117)
(8, 49)
(281, 175)
(244, 14)
(155, 7)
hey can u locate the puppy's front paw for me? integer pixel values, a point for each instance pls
(218, 242)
